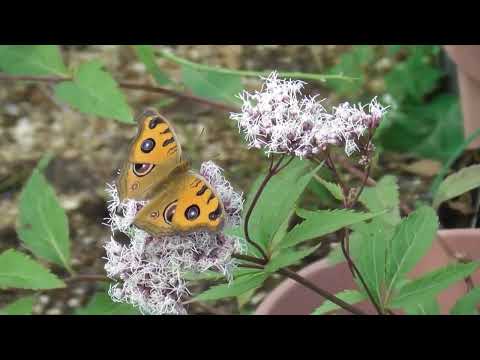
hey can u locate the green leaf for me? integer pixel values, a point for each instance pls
(333, 188)
(412, 239)
(212, 85)
(32, 60)
(349, 296)
(457, 184)
(456, 153)
(19, 271)
(321, 222)
(351, 64)
(429, 285)
(428, 307)
(235, 288)
(368, 247)
(102, 304)
(204, 275)
(244, 299)
(264, 223)
(43, 224)
(23, 306)
(288, 257)
(468, 304)
(93, 91)
(146, 54)
(383, 196)
(413, 78)
(432, 130)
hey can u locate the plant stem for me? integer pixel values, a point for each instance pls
(273, 170)
(131, 86)
(295, 74)
(87, 278)
(248, 258)
(354, 270)
(301, 280)
(344, 242)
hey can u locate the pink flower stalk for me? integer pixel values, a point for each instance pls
(149, 271)
(281, 120)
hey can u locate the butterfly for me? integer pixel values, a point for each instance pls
(179, 199)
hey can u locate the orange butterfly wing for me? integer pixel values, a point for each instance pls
(187, 203)
(154, 155)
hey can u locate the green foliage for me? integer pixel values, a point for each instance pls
(383, 196)
(370, 253)
(146, 54)
(352, 64)
(238, 286)
(21, 306)
(93, 91)
(451, 160)
(334, 189)
(429, 285)
(287, 257)
(212, 85)
(432, 130)
(19, 271)
(412, 239)
(264, 223)
(349, 296)
(428, 307)
(419, 121)
(43, 224)
(468, 304)
(321, 222)
(102, 304)
(458, 183)
(413, 78)
(32, 60)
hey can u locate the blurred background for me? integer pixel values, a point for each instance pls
(422, 130)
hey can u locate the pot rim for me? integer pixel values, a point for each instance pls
(288, 285)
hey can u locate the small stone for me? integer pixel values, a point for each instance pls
(12, 110)
(53, 311)
(73, 302)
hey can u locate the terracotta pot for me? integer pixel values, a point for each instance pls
(291, 298)
(467, 59)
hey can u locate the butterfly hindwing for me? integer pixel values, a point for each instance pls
(187, 203)
(153, 156)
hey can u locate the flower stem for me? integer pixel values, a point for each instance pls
(87, 278)
(260, 264)
(249, 73)
(301, 280)
(273, 170)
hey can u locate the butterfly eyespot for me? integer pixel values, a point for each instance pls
(147, 145)
(154, 214)
(142, 169)
(192, 212)
(169, 212)
(215, 214)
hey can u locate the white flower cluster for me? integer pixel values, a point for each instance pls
(149, 271)
(282, 120)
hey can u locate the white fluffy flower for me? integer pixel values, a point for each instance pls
(282, 120)
(149, 271)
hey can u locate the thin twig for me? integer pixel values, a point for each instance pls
(248, 258)
(301, 280)
(131, 86)
(271, 172)
(87, 278)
